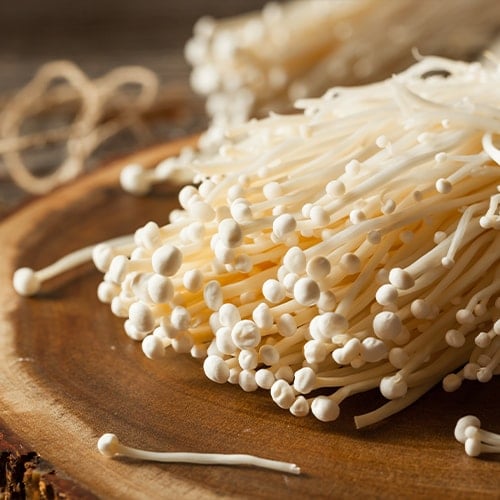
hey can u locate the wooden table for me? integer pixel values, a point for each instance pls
(72, 374)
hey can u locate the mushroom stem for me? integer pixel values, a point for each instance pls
(110, 446)
(27, 282)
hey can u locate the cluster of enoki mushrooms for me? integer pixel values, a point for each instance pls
(351, 246)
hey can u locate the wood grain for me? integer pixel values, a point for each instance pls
(68, 374)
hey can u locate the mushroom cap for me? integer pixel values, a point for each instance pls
(108, 445)
(462, 424)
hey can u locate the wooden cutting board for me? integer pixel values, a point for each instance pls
(68, 374)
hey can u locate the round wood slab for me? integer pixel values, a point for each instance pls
(68, 374)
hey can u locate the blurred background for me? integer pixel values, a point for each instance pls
(98, 36)
(101, 34)
(371, 40)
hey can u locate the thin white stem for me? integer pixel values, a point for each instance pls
(110, 446)
(81, 256)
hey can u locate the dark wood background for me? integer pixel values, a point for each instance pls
(99, 35)
(102, 34)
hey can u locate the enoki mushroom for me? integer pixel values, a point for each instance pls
(109, 446)
(476, 441)
(249, 64)
(351, 246)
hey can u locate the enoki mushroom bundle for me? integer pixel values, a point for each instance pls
(248, 64)
(352, 246)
